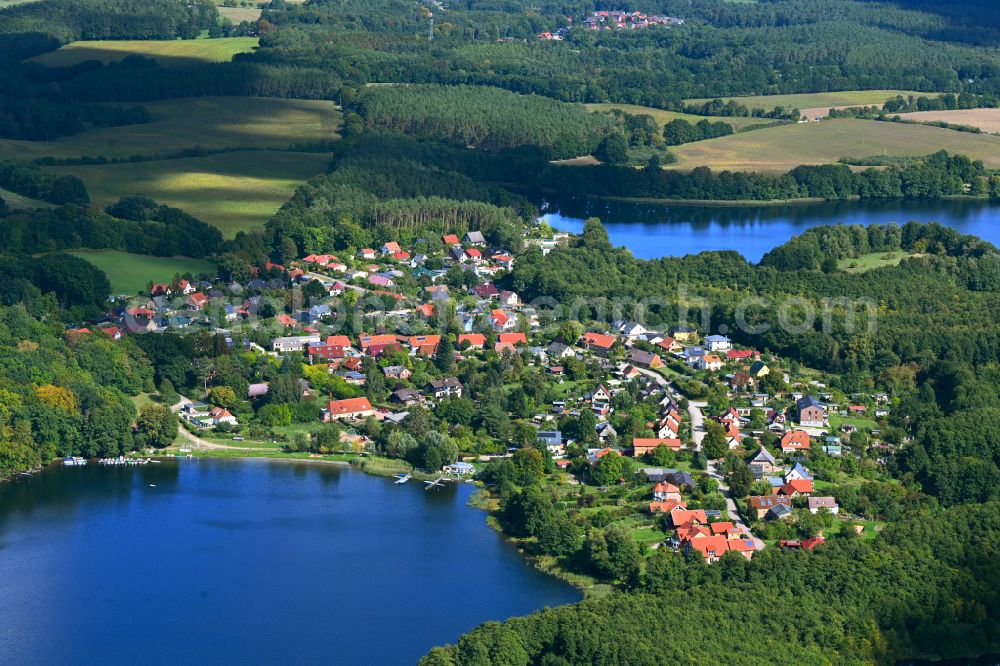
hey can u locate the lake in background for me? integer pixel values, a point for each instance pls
(248, 562)
(657, 230)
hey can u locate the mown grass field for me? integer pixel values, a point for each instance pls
(785, 147)
(814, 101)
(232, 191)
(166, 52)
(663, 117)
(987, 120)
(213, 123)
(130, 273)
(866, 262)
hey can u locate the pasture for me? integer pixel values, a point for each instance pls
(785, 147)
(232, 191)
(817, 104)
(212, 123)
(239, 14)
(130, 273)
(987, 120)
(166, 52)
(663, 117)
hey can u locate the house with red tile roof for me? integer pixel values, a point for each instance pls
(666, 506)
(351, 408)
(450, 239)
(512, 338)
(391, 247)
(423, 345)
(796, 487)
(684, 517)
(196, 301)
(644, 445)
(474, 340)
(794, 440)
(598, 343)
(501, 321)
(664, 491)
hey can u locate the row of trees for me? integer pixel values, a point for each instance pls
(134, 224)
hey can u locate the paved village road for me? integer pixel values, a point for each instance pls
(698, 434)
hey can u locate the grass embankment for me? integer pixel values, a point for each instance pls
(166, 52)
(817, 103)
(130, 273)
(233, 191)
(859, 422)
(783, 148)
(208, 123)
(663, 117)
(866, 262)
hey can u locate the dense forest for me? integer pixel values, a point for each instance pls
(922, 590)
(70, 398)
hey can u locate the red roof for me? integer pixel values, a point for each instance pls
(349, 406)
(338, 340)
(450, 239)
(800, 486)
(425, 310)
(473, 252)
(712, 546)
(734, 354)
(601, 340)
(721, 528)
(499, 317)
(477, 340)
(682, 517)
(812, 542)
(664, 487)
(642, 445)
(666, 506)
(512, 338)
(370, 340)
(795, 439)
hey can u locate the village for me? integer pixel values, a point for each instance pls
(695, 442)
(615, 20)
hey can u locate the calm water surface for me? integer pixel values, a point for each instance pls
(248, 562)
(656, 230)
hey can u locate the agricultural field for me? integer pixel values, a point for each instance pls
(818, 104)
(14, 200)
(239, 14)
(166, 52)
(783, 148)
(987, 120)
(234, 191)
(663, 117)
(130, 273)
(212, 123)
(866, 262)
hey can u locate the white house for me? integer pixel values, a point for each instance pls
(718, 343)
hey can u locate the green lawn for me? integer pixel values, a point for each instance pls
(860, 422)
(232, 191)
(130, 273)
(866, 262)
(166, 52)
(785, 147)
(210, 123)
(663, 117)
(822, 100)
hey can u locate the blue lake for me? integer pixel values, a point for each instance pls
(251, 562)
(657, 230)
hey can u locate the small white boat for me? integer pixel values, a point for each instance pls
(402, 478)
(75, 461)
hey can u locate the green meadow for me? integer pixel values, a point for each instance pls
(130, 273)
(232, 191)
(167, 52)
